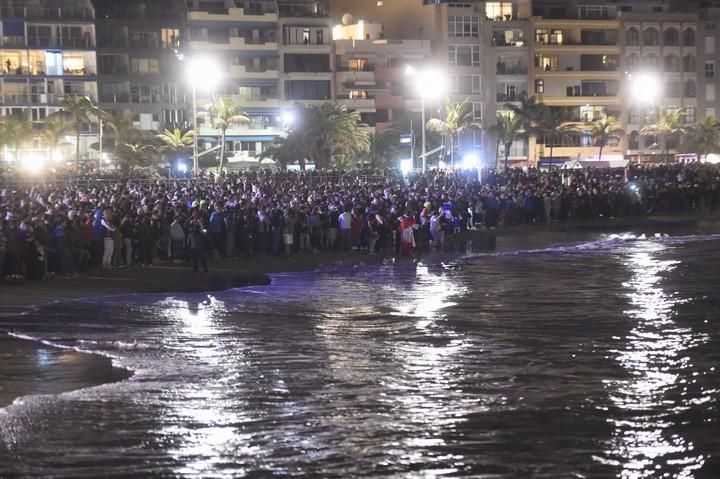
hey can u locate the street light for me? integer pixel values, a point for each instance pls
(201, 72)
(431, 83)
(645, 88)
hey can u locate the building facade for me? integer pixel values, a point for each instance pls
(47, 51)
(140, 75)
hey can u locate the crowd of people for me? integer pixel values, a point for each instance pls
(66, 227)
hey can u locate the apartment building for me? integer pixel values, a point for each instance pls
(708, 60)
(243, 38)
(663, 44)
(140, 75)
(577, 65)
(370, 72)
(305, 52)
(47, 50)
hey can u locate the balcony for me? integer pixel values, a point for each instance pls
(234, 15)
(510, 97)
(234, 43)
(33, 13)
(244, 71)
(503, 69)
(115, 98)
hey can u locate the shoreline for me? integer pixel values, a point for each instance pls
(18, 379)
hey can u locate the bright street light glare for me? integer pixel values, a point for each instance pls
(470, 161)
(406, 166)
(288, 118)
(203, 72)
(33, 164)
(182, 167)
(645, 88)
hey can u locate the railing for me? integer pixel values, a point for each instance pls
(510, 97)
(511, 70)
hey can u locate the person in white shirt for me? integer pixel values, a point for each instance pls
(345, 221)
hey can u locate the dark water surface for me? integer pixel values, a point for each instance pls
(598, 359)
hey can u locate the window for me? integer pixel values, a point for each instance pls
(307, 90)
(651, 62)
(634, 141)
(357, 64)
(477, 111)
(672, 64)
(672, 89)
(671, 37)
(632, 62)
(249, 146)
(463, 26)
(690, 89)
(145, 66)
(53, 62)
(709, 69)
(690, 114)
(143, 40)
(689, 37)
(539, 86)
(650, 37)
(594, 11)
(306, 36)
(464, 55)
(591, 113)
(689, 63)
(74, 64)
(634, 115)
(710, 26)
(466, 84)
(710, 45)
(357, 95)
(710, 92)
(710, 112)
(498, 11)
(632, 37)
(170, 38)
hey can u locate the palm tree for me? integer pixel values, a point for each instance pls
(331, 130)
(132, 154)
(16, 132)
(175, 140)
(225, 113)
(554, 124)
(285, 150)
(508, 129)
(603, 131)
(669, 125)
(530, 111)
(53, 134)
(703, 137)
(458, 118)
(80, 111)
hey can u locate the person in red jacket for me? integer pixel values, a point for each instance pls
(407, 234)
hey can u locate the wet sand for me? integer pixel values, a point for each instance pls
(28, 367)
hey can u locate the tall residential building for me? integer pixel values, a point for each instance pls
(47, 50)
(139, 74)
(305, 51)
(708, 60)
(577, 65)
(660, 43)
(370, 73)
(243, 38)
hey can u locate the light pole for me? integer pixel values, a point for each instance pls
(430, 83)
(645, 89)
(200, 71)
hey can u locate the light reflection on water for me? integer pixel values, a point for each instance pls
(564, 363)
(655, 355)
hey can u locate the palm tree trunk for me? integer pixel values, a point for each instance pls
(507, 155)
(552, 145)
(222, 150)
(602, 145)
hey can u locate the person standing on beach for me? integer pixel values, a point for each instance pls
(196, 243)
(108, 241)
